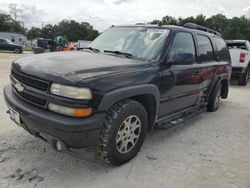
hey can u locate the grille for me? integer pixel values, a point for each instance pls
(30, 81)
(31, 98)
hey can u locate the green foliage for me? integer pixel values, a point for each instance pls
(71, 29)
(9, 25)
(234, 28)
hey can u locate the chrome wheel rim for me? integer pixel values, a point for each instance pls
(128, 134)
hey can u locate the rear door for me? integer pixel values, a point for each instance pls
(179, 81)
(207, 63)
(223, 68)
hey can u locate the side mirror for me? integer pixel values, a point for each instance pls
(181, 59)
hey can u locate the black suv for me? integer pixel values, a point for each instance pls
(128, 81)
(7, 45)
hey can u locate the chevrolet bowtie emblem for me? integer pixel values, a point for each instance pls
(19, 86)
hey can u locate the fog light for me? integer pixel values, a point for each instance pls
(58, 146)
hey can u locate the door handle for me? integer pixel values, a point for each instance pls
(197, 73)
(215, 69)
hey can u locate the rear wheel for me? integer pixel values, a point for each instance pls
(124, 132)
(244, 78)
(214, 101)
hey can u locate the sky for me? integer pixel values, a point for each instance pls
(104, 13)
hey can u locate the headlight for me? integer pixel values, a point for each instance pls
(70, 91)
(74, 112)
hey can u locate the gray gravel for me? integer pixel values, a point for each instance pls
(211, 150)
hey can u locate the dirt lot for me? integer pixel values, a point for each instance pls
(212, 150)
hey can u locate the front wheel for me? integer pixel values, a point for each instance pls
(214, 101)
(16, 50)
(124, 132)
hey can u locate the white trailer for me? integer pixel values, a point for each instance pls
(16, 38)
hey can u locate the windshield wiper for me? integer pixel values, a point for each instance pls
(127, 55)
(92, 49)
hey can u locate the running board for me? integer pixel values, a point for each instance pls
(180, 117)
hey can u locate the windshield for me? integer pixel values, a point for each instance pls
(8, 41)
(141, 43)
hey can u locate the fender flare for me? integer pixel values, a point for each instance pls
(114, 96)
(213, 85)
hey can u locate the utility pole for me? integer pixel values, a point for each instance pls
(14, 11)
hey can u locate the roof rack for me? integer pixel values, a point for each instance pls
(201, 28)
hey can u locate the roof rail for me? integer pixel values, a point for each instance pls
(201, 28)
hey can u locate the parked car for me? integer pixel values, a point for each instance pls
(7, 45)
(128, 81)
(240, 55)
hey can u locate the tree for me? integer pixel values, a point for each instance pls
(71, 29)
(235, 28)
(33, 33)
(9, 25)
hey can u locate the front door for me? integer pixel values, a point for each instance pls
(180, 77)
(4, 45)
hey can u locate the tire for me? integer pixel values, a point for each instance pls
(16, 50)
(242, 81)
(214, 101)
(122, 119)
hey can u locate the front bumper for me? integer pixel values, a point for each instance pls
(73, 133)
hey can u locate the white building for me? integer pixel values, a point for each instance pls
(16, 38)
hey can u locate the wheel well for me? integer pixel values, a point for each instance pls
(224, 91)
(149, 103)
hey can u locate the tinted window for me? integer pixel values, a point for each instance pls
(205, 48)
(182, 49)
(222, 50)
(2, 41)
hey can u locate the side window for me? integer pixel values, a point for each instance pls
(182, 49)
(222, 50)
(1, 41)
(206, 51)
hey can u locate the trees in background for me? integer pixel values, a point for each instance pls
(71, 29)
(10, 25)
(234, 28)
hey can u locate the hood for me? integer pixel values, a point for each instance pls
(73, 66)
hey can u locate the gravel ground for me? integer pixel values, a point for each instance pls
(210, 150)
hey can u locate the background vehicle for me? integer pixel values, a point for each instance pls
(7, 45)
(59, 44)
(128, 81)
(82, 44)
(240, 56)
(63, 44)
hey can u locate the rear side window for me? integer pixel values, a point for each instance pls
(1, 41)
(205, 49)
(222, 50)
